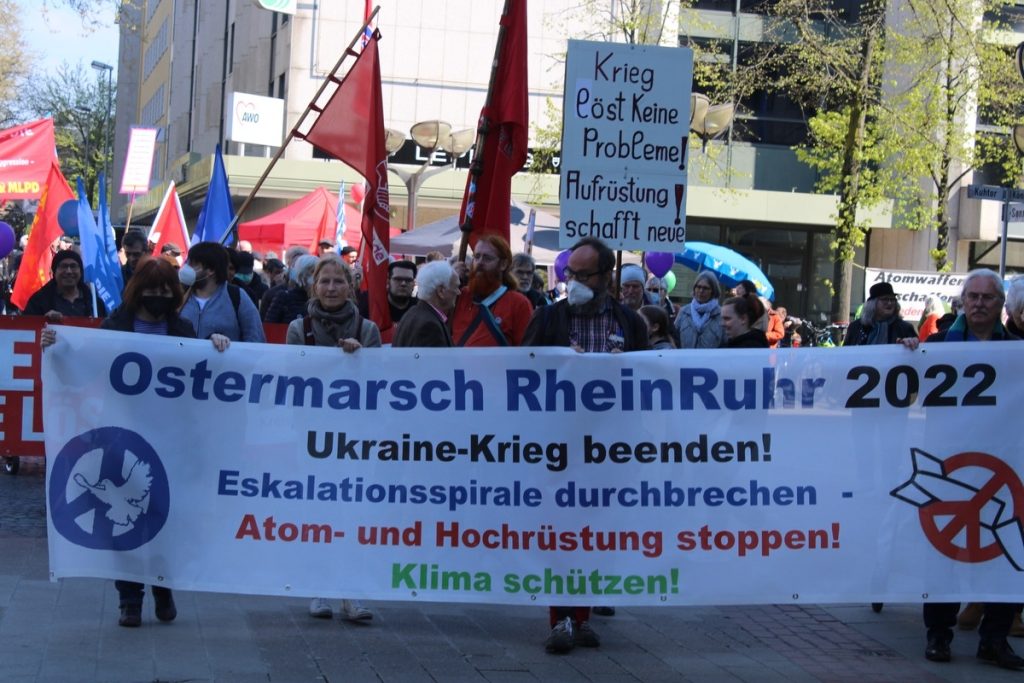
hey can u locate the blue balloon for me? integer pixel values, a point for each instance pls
(67, 217)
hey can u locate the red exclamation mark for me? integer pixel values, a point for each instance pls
(679, 201)
(835, 534)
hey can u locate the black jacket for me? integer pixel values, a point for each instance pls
(549, 326)
(857, 333)
(122, 320)
(751, 339)
(48, 299)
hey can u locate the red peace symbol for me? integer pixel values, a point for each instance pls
(965, 515)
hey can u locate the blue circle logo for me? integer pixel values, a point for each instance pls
(108, 490)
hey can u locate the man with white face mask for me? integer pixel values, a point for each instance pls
(588, 320)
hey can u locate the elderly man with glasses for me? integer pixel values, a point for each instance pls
(982, 296)
(589, 320)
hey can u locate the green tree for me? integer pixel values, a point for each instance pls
(946, 68)
(13, 65)
(832, 61)
(77, 99)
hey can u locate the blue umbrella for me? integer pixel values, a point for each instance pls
(729, 266)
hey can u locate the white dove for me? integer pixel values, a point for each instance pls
(127, 501)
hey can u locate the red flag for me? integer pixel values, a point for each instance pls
(169, 224)
(488, 197)
(26, 153)
(35, 263)
(351, 128)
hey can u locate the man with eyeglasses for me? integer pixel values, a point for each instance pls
(982, 295)
(401, 278)
(65, 294)
(880, 321)
(524, 268)
(490, 310)
(589, 320)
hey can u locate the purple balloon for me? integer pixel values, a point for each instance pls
(6, 239)
(659, 262)
(561, 263)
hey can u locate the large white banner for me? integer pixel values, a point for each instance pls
(537, 475)
(625, 130)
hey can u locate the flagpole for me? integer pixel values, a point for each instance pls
(128, 221)
(481, 135)
(291, 134)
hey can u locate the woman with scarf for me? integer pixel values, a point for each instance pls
(880, 321)
(699, 323)
(332, 319)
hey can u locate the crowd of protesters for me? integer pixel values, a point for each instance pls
(498, 299)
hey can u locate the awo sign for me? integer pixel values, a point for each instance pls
(255, 120)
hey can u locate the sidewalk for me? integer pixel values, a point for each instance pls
(57, 632)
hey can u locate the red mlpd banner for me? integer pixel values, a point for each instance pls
(26, 152)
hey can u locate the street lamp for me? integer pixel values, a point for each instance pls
(707, 120)
(431, 136)
(100, 66)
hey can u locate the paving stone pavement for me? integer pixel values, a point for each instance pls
(67, 632)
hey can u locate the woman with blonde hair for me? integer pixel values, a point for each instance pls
(332, 319)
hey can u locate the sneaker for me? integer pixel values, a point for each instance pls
(586, 636)
(165, 609)
(131, 616)
(561, 639)
(971, 615)
(604, 611)
(353, 611)
(320, 608)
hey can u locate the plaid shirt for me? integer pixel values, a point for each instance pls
(599, 333)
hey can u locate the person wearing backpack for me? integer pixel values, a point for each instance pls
(490, 311)
(332, 319)
(214, 306)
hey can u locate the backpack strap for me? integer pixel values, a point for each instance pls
(484, 315)
(307, 331)
(236, 297)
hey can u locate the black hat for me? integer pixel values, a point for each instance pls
(880, 289)
(64, 255)
(273, 264)
(325, 243)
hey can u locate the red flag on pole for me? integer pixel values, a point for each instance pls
(351, 128)
(35, 263)
(488, 197)
(169, 224)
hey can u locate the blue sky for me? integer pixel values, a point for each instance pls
(58, 36)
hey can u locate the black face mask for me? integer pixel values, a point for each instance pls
(158, 306)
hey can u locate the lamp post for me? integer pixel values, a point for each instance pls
(431, 136)
(100, 66)
(707, 120)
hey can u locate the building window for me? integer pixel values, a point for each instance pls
(280, 86)
(156, 49)
(153, 110)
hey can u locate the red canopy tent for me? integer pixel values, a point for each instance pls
(304, 222)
